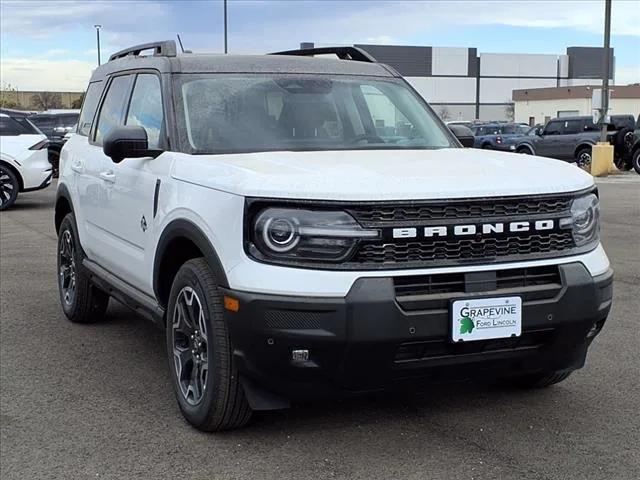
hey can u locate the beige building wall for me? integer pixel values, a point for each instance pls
(540, 110)
(24, 100)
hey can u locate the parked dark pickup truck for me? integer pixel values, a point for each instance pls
(571, 139)
(632, 143)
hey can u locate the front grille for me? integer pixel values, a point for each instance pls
(420, 251)
(518, 207)
(436, 291)
(437, 349)
(463, 249)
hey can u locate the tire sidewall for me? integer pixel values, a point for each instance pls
(197, 414)
(16, 187)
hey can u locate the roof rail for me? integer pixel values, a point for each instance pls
(343, 53)
(160, 49)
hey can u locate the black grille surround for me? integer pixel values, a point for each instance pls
(387, 253)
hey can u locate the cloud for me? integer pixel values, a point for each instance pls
(53, 75)
(627, 75)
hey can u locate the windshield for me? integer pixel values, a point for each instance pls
(234, 113)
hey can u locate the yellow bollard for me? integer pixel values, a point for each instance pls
(601, 159)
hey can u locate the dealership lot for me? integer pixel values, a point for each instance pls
(94, 401)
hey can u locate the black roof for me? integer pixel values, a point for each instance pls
(209, 63)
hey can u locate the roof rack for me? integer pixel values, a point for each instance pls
(343, 53)
(160, 49)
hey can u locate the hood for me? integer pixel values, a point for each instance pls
(381, 174)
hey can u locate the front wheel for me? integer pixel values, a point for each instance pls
(9, 188)
(205, 379)
(540, 380)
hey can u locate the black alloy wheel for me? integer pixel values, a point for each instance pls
(67, 268)
(9, 188)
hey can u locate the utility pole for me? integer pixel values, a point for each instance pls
(226, 49)
(98, 27)
(607, 66)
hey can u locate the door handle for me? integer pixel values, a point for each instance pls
(76, 167)
(108, 176)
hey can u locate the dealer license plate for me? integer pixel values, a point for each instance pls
(486, 318)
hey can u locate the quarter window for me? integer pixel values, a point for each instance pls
(145, 108)
(112, 110)
(89, 106)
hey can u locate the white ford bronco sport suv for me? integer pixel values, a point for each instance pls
(306, 227)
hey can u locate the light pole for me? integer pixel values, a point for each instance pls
(226, 50)
(607, 66)
(98, 27)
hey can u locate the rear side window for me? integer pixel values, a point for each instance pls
(112, 110)
(9, 127)
(553, 128)
(573, 127)
(145, 108)
(91, 99)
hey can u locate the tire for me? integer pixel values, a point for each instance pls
(623, 141)
(540, 380)
(54, 160)
(9, 188)
(583, 158)
(215, 400)
(524, 151)
(636, 161)
(81, 301)
(487, 146)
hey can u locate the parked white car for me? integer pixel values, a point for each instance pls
(24, 162)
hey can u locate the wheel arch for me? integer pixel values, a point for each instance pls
(63, 205)
(526, 145)
(182, 240)
(14, 170)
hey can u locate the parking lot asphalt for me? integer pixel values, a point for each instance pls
(94, 401)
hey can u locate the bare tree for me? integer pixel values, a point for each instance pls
(510, 110)
(46, 100)
(444, 114)
(77, 103)
(6, 91)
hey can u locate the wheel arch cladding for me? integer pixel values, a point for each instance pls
(181, 241)
(63, 205)
(15, 171)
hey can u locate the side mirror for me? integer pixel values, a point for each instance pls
(128, 142)
(463, 134)
(539, 131)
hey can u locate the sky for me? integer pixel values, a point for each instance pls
(51, 45)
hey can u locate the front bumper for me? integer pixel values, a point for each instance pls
(375, 339)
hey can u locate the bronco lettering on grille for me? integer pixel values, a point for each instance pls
(473, 229)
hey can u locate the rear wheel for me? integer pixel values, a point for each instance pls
(9, 188)
(524, 150)
(81, 301)
(54, 160)
(205, 378)
(583, 158)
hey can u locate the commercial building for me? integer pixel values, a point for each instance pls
(39, 100)
(462, 84)
(537, 105)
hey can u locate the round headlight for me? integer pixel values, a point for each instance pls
(585, 213)
(280, 234)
